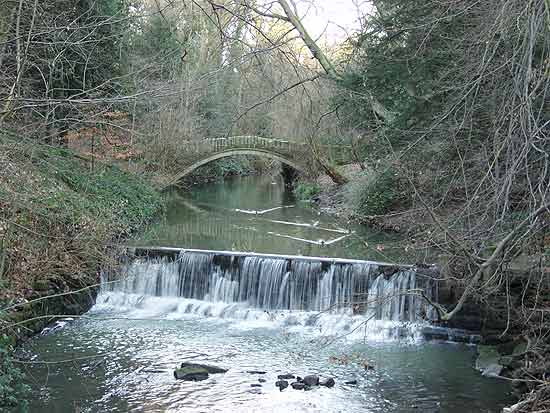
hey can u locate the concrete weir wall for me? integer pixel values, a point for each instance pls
(365, 272)
(174, 252)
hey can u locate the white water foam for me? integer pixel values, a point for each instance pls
(331, 299)
(330, 325)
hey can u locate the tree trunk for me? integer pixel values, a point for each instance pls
(313, 47)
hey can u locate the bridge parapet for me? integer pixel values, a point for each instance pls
(214, 145)
(297, 155)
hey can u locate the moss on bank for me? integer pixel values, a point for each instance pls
(57, 213)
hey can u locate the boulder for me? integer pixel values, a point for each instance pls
(488, 361)
(298, 386)
(191, 374)
(286, 376)
(327, 382)
(493, 370)
(209, 369)
(196, 371)
(311, 380)
(281, 384)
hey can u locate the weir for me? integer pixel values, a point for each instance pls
(376, 290)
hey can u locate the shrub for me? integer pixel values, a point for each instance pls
(12, 388)
(375, 192)
(305, 191)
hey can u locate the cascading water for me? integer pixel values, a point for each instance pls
(291, 290)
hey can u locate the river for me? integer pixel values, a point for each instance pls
(257, 214)
(121, 356)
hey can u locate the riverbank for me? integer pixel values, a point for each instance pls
(58, 210)
(505, 319)
(338, 201)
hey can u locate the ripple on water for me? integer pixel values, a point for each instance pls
(136, 371)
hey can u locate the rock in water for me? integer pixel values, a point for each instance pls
(351, 382)
(256, 372)
(367, 365)
(311, 380)
(262, 380)
(191, 374)
(298, 386)
(493, 370)
(281, 384)
(196, 371)
(328, 382)
(285, 376)
(209, 369)
(255, 385)
(488, 361)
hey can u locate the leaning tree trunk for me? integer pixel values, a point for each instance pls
(336, 176)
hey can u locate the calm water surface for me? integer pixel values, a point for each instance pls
(257, 214)
(121, 358)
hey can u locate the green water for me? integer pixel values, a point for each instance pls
(259, 214)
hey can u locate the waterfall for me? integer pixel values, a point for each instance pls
(273, 283)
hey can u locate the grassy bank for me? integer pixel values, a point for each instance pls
(57, 213)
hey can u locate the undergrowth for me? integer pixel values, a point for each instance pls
(306, 191)
(375, 192)
(58, 212)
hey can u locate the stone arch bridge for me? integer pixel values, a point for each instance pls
(296, 155)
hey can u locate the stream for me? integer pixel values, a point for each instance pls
(120, 357)
(257, 213)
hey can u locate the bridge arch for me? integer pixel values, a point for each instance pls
(233, 152)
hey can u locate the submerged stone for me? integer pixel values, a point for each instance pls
(488, 361)
(492, 370)
(327, 382)
(486, 356)
(311, 380)
(281, 384)
(298, 386)
(286, 376)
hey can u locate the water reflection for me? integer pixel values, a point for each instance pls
(258, 214)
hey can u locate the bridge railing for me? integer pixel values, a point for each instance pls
(219, 144)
